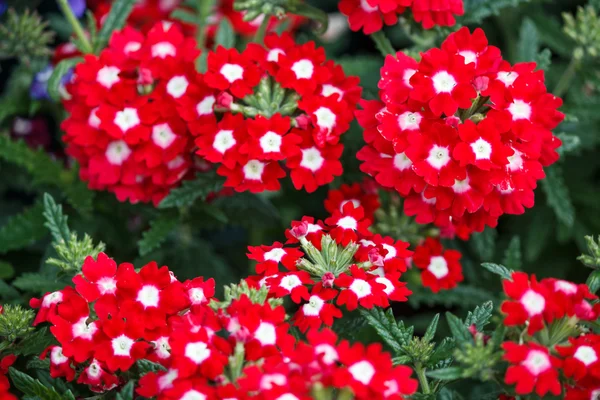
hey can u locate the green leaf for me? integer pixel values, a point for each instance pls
(462, 295)
(247, 209)
(145, 366)
(56, 221)
(529, 41)
(22, 230)
(7, 292)
(570, 143)
(498, 335)
(445, 374)
(512, 255)
(484, 243)
(115, 20)
(192, 190)
(498, 269)
(558, 196)
(184, 16)
(459, 330)
(127, 392)
(7, 271)
(538, 233)
(477, 10)
(593, 281)
(393, 333)
(431, 329)
(225, 35)
(36, 343)
(543, 59)
(32, 387)
(160, 228)
(362, 66)
(443, 351)
(37, 283)
(480, 316)
(60, 70)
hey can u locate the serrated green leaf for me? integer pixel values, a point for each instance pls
(36, 343)
(32, 387)
(393, 333)
(477, 10)
(512, 255)
(115, 20)
(59, 71)
(127, 392)
(459, 331)
(192, 190)
(498, 269)
(529, 41)
(558, 196)
(35, 282)
(160, 228)
(446, 374)
(498, 336)
(184, 16)
(462, 295)
(443, 351)
(543, 59)
(480, 316)
(484, 243)
(23, 229)
(56, 221)
(431, 329)
(225, 35)
(145, 366)
(570, 143)
(593, 281)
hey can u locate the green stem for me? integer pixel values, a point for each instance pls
(259, 37)
(204, 7)
(422, 378)
(86, 46)
(565, 80)
(383, 44)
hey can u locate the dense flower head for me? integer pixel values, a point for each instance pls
(462, 135)
(117, 316)
(339, 262)
(277, 104)
(371, 15)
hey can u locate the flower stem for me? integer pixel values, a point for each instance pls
(565, 80)
(383, 44)
(204, 7)
(86, 46)
(259, 37)
(422, 378)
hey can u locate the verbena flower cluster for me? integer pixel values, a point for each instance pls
(550, 310)
(239, 348)
(372, 15)
(462, 134)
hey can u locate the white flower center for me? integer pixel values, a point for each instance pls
(362, 371)
(266, 334)
(313, 307)
(409, 121)
(519, 110)
(224, 140)
(93, 119)
(127, 119)
(348, 222)
(290, 282)
(162, 135)
(108, 76)
(117, 152)
(303, 69)
(122, 345)
(312, 159)
(52, 298)
(166, 381)
(149, 296)
(515, 162)
(82, 330)
(196, 295)
(328, 90)
(367, 7)
(469, 56)
(565, 287)
(107, 285)
(253, 170)
(402, 162)
(269, 380)
(205, 106)
(407, 75)
(197, 352)
(325, 118)
(461, 186)
(275, 254)
(330, 354)
(23, 127)
(193, 395)
(270, 142)
(287, 396)
(132, 47)
(389, 287)
(94, 370)
(57, 357)
(443, 82)
(438, 156)
(163, 49)
(537, 362)
(162, 347)
(506, 77)
(586, 355)
(177, 86)
(533, 302)
(232, 72)
(391, 251)
(438, 266)
(482, 149)
(360, 287)
(273, 55)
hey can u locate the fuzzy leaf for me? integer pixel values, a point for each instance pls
(192, 190)
(445, 374)
(60, 70)
(498, 269)
(459, 330)
(478, 10)
(543, 59)
(127, 392)
(393, 333)
(529, 41)
(484, 243)
(36, 343)
(480, 316)
(512, 255)
(145, 366)
(225, 35)
(431, 329)
(32, 387)
(56, 221)
(158, 232)
(558, 196)
(35, 282)
(22, 230)
(115, 20)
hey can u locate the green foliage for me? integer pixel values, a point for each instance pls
(512, 256)
(145, 366)
(35, 343)
(459, 330)
(56, 221)
(160, 228)
(127, 392)
(529, 42)
(38, 283)
(23, 229)
(543, 59)
(584, 29)
(15, 322)
(558, 195)
(393, 333)
(498, 269)
(484, 243)
(480, 316)
(592, 259)
(463, 295)
(24, 36)
(34, 387)
(115, 20)
(59, 72)
(477, 10)
(193, 190)
(225, 35)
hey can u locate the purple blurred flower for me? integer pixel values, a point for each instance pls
(78, 7)
(34, 131)
(3, 7)
(39, 86)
